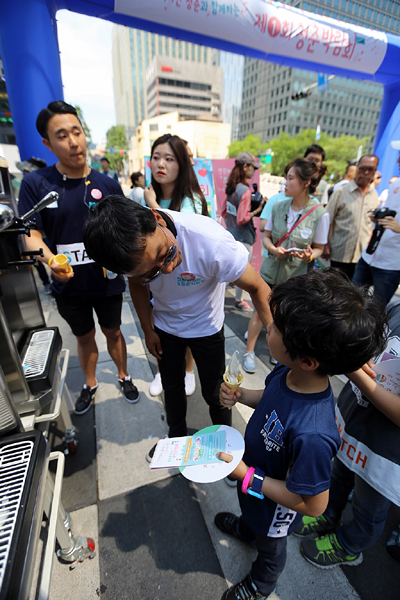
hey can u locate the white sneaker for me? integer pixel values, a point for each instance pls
(156, 386)
(190, 383)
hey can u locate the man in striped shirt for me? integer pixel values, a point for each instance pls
(349, 210)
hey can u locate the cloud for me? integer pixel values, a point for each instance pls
(86, 67)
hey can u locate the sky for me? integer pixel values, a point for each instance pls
(86, 67)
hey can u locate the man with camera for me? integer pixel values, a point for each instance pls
(379, 263)
(349, 210)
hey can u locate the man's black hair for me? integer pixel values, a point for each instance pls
(322, 315)
(104, 158)
(115, 233)
(58, 107)
(315, 149)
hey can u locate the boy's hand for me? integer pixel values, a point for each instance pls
(367, 368)
(240, 470)
(226, 397)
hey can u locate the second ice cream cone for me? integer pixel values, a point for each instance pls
(234, 386)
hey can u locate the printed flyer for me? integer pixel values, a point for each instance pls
(200, 449)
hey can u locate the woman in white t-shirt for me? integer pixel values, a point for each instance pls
(294, 237)
(137, 187)
(174, 185)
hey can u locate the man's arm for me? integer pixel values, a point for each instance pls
(251, 282)
(35, 242)
(141, 301)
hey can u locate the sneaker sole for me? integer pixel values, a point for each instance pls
(353, 563)
(82, 412)
(132, 401)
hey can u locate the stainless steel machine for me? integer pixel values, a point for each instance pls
(33, 368)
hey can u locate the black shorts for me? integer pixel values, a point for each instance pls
(78, 312)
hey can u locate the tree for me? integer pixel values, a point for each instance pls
(85, 126)
(251, 143)
(116, 140)
(338, 151)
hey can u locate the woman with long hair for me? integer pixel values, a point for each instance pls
(294, 236)
(174, 185)
(237, 210)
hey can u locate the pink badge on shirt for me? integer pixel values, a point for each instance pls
(188, 276)
(96, 194)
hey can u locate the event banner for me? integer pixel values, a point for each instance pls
(221, 170)
(204, 173)
(270, 27)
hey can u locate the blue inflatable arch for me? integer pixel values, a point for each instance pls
(264, 30)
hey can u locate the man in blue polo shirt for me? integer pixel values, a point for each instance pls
(85, 288)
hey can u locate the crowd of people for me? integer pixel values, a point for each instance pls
(177, 262)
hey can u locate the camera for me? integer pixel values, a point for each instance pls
(256, 198)
(379, 213)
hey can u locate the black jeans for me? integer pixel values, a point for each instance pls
(270, 561)
(209, 354)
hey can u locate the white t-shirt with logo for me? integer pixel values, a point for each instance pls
(386, 256)
(189, 302)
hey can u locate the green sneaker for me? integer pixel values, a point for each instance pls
(326, 553)
(314, 526)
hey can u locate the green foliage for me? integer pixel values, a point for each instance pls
(116, 139)
(338, 150)
(251, 143)
(85, 126)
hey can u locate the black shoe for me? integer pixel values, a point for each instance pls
(85, 399)
(229, 523)
(245, 590)
(129, 389)
(150, 454)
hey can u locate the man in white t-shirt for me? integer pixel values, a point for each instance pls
(185, 260)
(381, 269)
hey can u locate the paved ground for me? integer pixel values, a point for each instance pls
(154, 531)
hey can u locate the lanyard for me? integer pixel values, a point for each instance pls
(295, 225)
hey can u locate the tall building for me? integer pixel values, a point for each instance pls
(348, 106)
(172, 84)
(132, 52)
(232, 65)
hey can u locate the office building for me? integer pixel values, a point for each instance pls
(173, 84)
(232, 65)
(348, 106)
(207, 138)
(132, 53)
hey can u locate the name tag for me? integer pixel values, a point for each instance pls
(76, 253)
(231, 209)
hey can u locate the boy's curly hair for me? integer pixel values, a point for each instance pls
(324, 316)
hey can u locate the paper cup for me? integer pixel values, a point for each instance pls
(62, 261)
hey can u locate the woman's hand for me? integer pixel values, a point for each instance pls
(279, 252)
(305, 255)
(150, 197)
(226, 397)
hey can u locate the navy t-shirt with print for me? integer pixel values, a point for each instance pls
(62, 224)
(291, 437)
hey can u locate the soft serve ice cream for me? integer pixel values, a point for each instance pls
(233, 376)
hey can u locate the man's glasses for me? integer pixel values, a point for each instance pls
(169, 257)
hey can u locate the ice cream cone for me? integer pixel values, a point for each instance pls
(233, 386)
(62, 261)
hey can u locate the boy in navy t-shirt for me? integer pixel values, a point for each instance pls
(322, 326)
